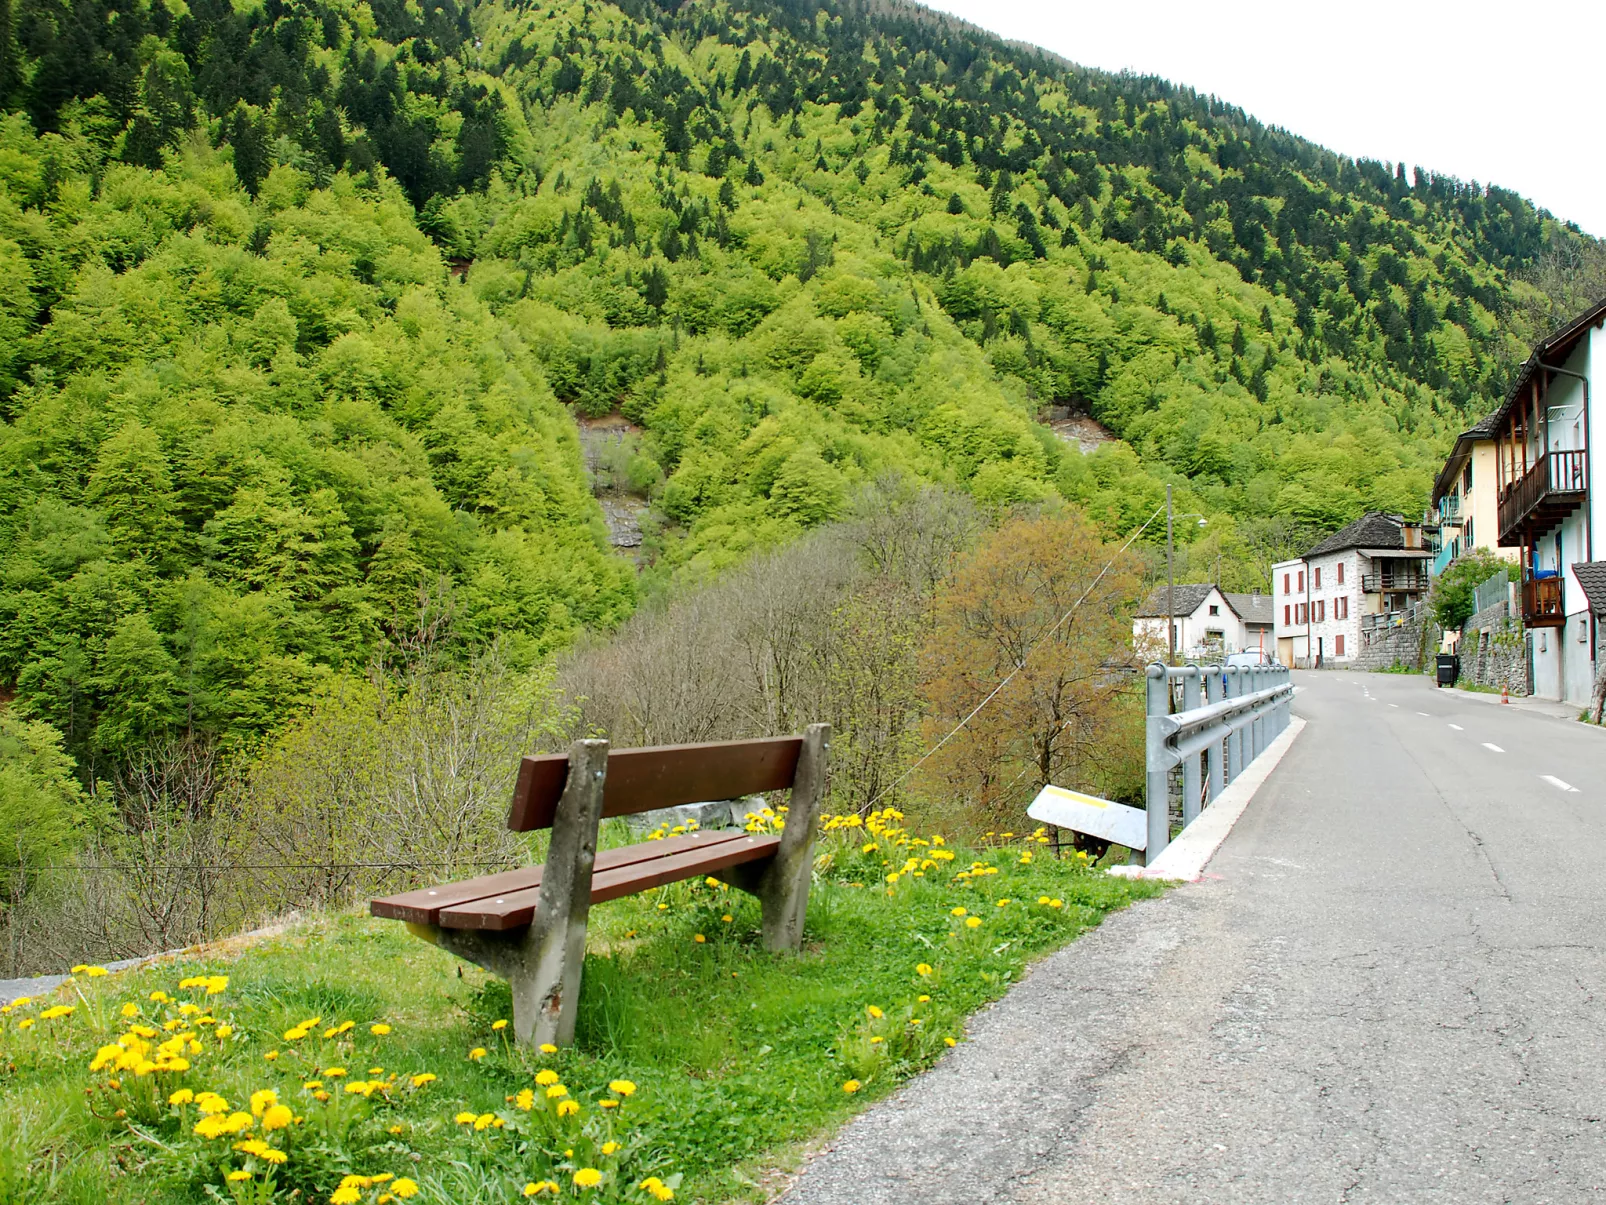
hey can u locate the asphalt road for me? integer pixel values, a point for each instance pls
(1391, 989)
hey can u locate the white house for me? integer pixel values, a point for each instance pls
(1363, 578)
(1206, 623)
(1547, 433)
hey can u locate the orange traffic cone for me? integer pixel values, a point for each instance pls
(1505, 693)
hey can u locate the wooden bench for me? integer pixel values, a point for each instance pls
(529, 926)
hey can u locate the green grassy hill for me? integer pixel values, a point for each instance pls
(296, 300)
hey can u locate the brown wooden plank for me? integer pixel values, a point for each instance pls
(516, 910)
(424, 905)
(659, 777)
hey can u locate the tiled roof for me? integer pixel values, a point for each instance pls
(1374, 529)
(1592, 577)
(1187, 600)
(1253, 608)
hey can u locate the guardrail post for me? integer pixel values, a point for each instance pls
(1194, 764)
(1215, 689)
(1235, 740)
(1258, 726)
(1157, 792)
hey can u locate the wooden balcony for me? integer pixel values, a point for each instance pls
(1545, 495)
(1396, 581)
(1541, 603)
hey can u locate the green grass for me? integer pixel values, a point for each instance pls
(740, 1057)
(1477, 687)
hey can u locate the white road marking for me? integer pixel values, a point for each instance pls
(1493, 748)
(1393, 704)
(1424, 713)
(1556, 782)
(1458, 727)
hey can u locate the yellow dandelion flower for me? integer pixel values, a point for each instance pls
(334, 1072)
(851, 1086)
(956, 912)
(556, 1092)
(499, 1024)
(396, 1129)
(875, 1013)
(129, 1010)
(548, 1048)
(621, 1087)
(236, 1176)
(727, 918)
(465, 1119)
(182, 1097)
(923, 969)
(587, 1177)
(608, 1104)
(699, 939)
(379, 1030)
(1004, 903)
(567, 1108)
(525, 1100)
(949, 1042)
(546, 1076)
(477, 1053)
(422, 1078)
(922, 999)
(349, 1195)
(608, 1148)
(404, 1187)
(1056, 903)
(973, 922)
(276, 1118)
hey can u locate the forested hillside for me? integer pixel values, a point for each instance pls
(297, 301)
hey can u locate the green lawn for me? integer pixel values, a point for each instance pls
(739, 1058)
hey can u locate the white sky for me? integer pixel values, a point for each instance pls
(1503, 93)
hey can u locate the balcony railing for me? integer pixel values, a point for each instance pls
(1541, 603)
(1543, 496)
(1399, 581)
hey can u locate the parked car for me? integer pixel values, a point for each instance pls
(1252, 657)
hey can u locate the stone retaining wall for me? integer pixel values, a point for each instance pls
(1412, 644)
(1494, 650)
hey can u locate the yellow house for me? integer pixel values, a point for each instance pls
(1466, 503)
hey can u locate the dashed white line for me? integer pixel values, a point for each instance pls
(1556, 782)
(1458, 727)
(1393, 704)
(1424, 713)
(1492, 747)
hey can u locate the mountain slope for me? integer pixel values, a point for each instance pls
(296, 293)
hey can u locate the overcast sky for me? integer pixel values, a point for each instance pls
(1503, 93)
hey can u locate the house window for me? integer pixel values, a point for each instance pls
(1287, 622)
(1286, 590)
(1321, 610)
(1214, 609)
(1341, 607)
(1338, 645)
(1341, 573)
(1466, 479)
(1318, 577)
(1302, 581)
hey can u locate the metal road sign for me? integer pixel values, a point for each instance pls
(1091, 815)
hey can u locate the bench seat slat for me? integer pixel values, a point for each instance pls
(425, 905)
(660, 865)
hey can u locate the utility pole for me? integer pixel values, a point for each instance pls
(1170, 588)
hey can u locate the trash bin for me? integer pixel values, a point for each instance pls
(1449, 669)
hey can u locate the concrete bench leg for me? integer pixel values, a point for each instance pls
(783, 889)
(545, 977)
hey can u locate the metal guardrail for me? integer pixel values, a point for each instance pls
(1228, 717)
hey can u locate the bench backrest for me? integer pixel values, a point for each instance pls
(639, 780)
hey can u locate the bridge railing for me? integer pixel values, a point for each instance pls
(1228, 716)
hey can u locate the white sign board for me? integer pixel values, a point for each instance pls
(1088, 814)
